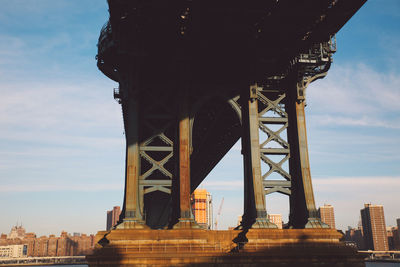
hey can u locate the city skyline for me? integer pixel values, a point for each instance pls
(62, 143)
(42, 246)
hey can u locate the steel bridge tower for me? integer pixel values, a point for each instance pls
(194, 77)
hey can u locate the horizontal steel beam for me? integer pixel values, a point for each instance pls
(274, 183)
(155, 182)
(275, 151)
(156, 148)
(273, 120)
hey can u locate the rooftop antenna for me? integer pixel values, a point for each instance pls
(218, 214)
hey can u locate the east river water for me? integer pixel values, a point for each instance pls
(368, 264)
(382, 264)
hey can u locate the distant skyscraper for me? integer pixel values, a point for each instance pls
(396, 238)
(374, 227)
(355, 235)
(327, 215)
(202, 207)
(391, 233)
(276, 219)
(113, 217)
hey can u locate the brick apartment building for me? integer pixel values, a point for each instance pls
(327, 215)
(374, 227)
(65, 245)
(113, 217)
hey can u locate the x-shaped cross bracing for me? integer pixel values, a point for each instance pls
(163, 183)
(271, 186)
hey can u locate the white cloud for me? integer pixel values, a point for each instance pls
(356, 95)
(9, 46)
(233, 185)
(53, 107)
(363, 181)
(363, 121)
(59, 127)
(24, 188)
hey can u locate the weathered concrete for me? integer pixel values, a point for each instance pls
(197, 247)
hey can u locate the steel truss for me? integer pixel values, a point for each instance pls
(156, 150)
(267, 111)
(159, 53)
(265, 121)
(272, 108)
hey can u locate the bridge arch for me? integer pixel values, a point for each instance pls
(215, 121)
(220, 95)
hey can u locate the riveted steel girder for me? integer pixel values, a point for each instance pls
(282, 108)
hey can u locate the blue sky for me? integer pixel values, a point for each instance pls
(61, 132)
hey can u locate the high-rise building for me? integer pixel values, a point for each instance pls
(393, 237)
(374, 227)
(202, 207)
(327, 215)
(396, 235)
(113, 217)
(396, 239)
(356, 236)
(276, 219)
(390, 236)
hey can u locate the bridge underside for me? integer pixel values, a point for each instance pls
(215, 127)
(194, 77)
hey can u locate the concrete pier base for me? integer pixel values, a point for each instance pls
(197, 247)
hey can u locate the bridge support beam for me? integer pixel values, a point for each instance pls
(255, 214)
(186, 219)
(280, 98)
(303, 212)
(132, 215)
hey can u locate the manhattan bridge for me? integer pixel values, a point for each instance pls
(195, 76)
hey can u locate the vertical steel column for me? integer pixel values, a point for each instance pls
(255, 214)
(184, 160)
(303, 212)
(132, 215)
(186, 219)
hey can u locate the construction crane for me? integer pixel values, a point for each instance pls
(218, 213)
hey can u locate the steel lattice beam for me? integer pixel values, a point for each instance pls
(277, 107)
